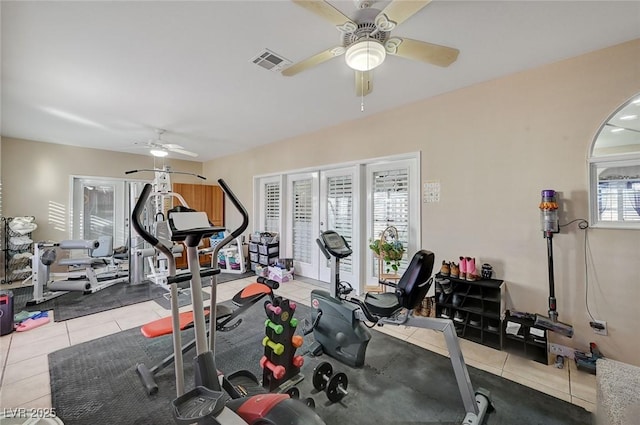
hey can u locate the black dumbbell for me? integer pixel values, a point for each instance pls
(334, 385)
(294, 393)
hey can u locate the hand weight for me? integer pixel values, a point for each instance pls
(334, 385)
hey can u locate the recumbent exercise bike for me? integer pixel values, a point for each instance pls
(338, 321)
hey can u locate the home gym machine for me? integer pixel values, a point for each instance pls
(97, 270)
(335, 319)
(206, 403)
(145, 263)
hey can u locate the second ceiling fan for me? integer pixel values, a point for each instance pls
(367, 39)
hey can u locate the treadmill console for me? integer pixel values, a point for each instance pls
(335, 244)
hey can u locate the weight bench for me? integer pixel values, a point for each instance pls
(244, 299)
(396, 308)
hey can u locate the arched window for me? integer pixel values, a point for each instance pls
(614, 170)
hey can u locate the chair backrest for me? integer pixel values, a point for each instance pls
(414, 283)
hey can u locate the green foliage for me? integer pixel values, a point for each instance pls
(391, 252)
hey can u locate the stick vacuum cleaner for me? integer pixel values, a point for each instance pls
(550, 225)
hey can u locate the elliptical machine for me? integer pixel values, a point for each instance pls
(338, 326)
(207, 403)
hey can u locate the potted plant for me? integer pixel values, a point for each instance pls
(388, 248)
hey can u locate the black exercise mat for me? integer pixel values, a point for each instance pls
(96, 383)
(76, 304)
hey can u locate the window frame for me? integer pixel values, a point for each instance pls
(609, 160)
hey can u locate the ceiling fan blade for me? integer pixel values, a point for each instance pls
(313, 61)
(364, 82)
(397, 12)
(327, 12)
(182, 151)
(423, 51)
(172, 146)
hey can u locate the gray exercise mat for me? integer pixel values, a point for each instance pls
(96, 383)
(77, 304)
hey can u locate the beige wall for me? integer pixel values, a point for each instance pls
(494, 146)
(36, 179)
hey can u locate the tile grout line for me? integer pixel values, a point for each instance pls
(6, 358)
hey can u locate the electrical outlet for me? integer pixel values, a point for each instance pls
(562, 350)
(599, 327)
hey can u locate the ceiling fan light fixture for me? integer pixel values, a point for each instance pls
(365, 55)
(158, 152)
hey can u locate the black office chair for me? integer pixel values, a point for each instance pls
(409, 291)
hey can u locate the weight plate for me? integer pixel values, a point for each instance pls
(310, 403)
(321, 375)
(337, 387)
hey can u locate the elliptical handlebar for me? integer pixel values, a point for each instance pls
(148, 237)
(241, 209)
(139, 228)
(243, 212)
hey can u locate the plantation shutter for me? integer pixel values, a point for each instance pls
(272, 207)
(619, 200)
(391, 206)
(340, 211)
(302, 220)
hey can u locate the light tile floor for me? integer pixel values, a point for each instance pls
(24, 381)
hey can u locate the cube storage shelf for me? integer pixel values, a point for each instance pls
(262, 252)
(476, 309)
(528, 341)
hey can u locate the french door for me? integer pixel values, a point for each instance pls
(358, 202)
(303, 225)
(339, 209)
(393, 200)
(99, 208)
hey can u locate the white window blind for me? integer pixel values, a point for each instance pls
(391, 206)
(302, 220)
(619, 200)
(272, 207)
(340, 211)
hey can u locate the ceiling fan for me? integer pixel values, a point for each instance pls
(160, 149)
(366, 40)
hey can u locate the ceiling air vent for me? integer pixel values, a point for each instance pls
(271, 61)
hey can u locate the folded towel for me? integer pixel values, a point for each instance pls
(24, 315)
(32, 323)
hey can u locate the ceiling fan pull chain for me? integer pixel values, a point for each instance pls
(362, 92)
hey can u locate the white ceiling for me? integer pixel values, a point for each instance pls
(107, 74)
